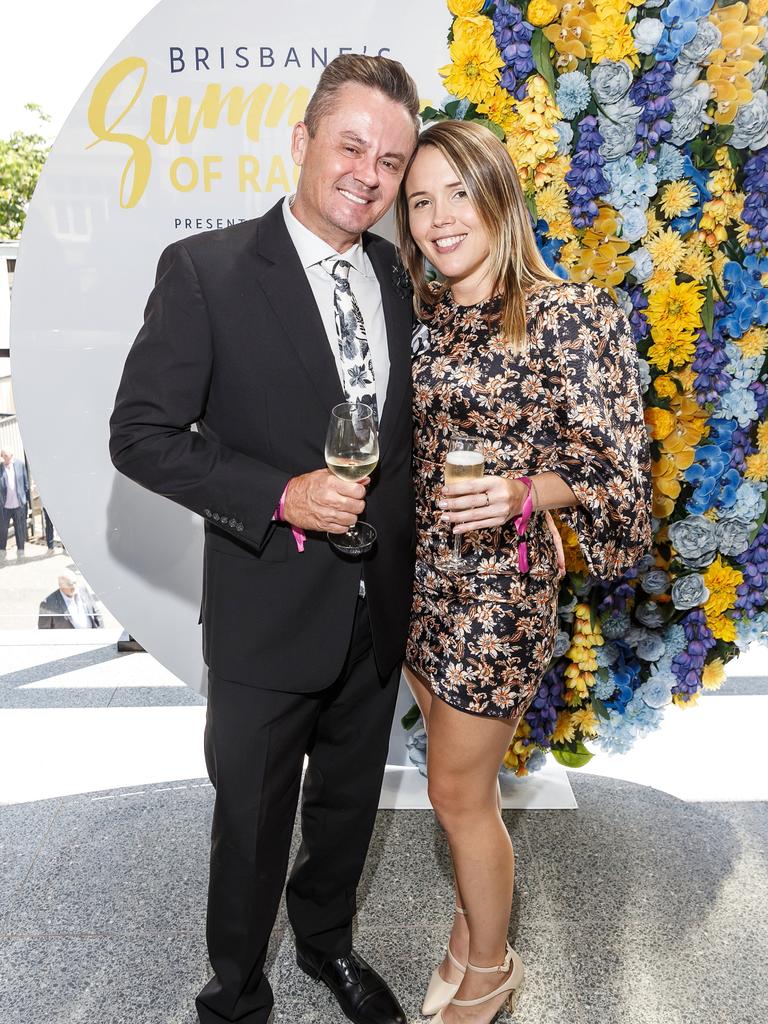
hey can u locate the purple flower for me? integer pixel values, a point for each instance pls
(585, 177)
(542, 713)
(513, 38)
(751, 594)
(755, 211)
(651, 93)
(688, 665)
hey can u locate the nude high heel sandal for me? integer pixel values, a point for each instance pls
(439, 992)
(513, 986)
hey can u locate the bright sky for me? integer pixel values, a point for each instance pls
(50, 57)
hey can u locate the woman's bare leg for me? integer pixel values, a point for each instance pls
(458, 943)
(463, 758)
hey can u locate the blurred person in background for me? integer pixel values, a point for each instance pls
(69, 607)
(14, 495)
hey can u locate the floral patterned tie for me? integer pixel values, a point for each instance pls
(359, 382)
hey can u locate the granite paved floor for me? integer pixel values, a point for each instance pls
(637, 908)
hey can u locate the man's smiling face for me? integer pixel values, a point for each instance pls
(352, 167)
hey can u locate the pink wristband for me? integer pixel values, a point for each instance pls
(521, 525)
(279, 514)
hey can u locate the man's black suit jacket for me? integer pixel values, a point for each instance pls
(54, 613)
(233, 342)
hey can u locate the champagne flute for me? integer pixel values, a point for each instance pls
(352, 453)
(464, 461)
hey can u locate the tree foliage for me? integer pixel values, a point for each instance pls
(21, 159)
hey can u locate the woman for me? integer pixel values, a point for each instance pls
(544, 372)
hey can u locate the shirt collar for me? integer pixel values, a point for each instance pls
(312, 249)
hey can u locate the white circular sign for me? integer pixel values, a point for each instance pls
(185, 128)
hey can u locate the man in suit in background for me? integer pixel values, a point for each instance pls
(69, 607)
(254, 333)
(14, 495)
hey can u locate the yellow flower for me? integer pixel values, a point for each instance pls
(666, 485)
(518, 751)
(697, 262)
(465, 8)
(552, 205)
(721, 580)
(586, 720)
(571, 35)
(661, 422)
(531, 135)
(665, 386)
(666, 250)
(677, 197)
(685, 700)
(541, 12)
(762, 436)
(753, 342)
(719, 259)
(612, 37)
(564, 730)
(757, 466)
(499, 107)
(569, 254)
(579, 675)
(653, 224)
(473, 30)
(574, 560)
(674, 313)
(474, 73)
(713, 676)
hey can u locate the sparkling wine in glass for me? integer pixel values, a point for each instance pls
(464, 461)
(352, 453)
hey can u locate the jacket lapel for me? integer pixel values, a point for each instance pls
(289, 294)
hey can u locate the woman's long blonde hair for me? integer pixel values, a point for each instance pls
(485, 167)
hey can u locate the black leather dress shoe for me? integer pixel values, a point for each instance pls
(364, 997)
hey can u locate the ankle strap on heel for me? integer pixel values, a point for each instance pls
(501, 969)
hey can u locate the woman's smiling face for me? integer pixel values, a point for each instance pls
(443, 222)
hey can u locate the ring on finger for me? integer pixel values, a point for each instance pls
(487, 499)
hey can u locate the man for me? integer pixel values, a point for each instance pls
(69, 607)
(250, 333)
(14, 495)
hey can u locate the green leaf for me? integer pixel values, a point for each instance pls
(540, 51)
(411, 718)
(22, 156)
(530, 202)
(430, 114)
(452, 107)
(600, 709)
(497, 130)
(572, 758)
(708, 312)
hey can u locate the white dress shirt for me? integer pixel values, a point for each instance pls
(365, 287)
(11, 497)
(77, 613)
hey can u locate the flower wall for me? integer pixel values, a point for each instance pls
(639, 132)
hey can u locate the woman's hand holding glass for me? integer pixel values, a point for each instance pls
(488, 502)
(482, 503)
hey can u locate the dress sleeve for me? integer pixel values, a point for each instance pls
(601, 448)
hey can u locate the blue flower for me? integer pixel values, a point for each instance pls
(669, 163)
(629, 184)
(634, 224)
(573, 94)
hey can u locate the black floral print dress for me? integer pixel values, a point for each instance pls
(569, 404)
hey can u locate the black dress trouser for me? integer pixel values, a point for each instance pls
(255, 742)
